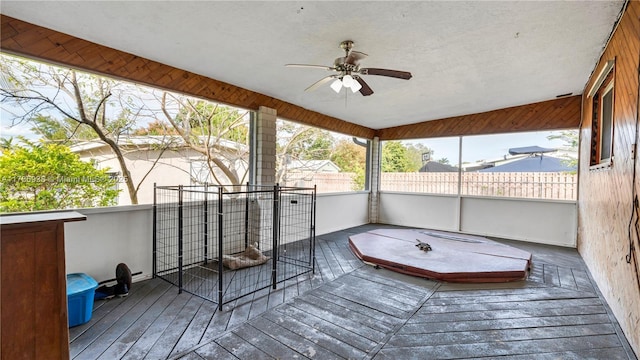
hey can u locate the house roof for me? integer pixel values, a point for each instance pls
(434, 166)
(466, 57)
(530, 150)
(536, 163)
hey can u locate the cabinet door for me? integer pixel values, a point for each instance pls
(33, 296)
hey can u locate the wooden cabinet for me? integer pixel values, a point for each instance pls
(33, 297)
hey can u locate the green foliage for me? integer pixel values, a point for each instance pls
(569, 137)
(351, 157)
(571, 141)
(415, 152)
(396, 158)
(156, 128)
(51, 177)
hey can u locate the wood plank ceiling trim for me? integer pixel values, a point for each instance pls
(32, 41)
(563, 113)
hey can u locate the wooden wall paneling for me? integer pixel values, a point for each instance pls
(563, 113)
(34, 306)
(606, 196)
(25, 39)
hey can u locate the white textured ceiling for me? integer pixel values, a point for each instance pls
(465, 57)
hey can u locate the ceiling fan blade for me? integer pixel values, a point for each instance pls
(386, 72)
(365, 90)
(320, 82)
(310, 66)
(355, 56)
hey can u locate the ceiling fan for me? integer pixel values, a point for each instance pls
(349, 73)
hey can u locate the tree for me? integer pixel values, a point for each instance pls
(67, 106)
(49, 176)
(351, 157)
(395, 158)
(300, 142)
(415, 152)
(571, 142)
(219, 133)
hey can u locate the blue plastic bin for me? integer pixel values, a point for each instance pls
(80, 291)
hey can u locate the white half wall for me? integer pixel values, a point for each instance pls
(419, 210)
(539, 221)
(108, 237)
(124, 234)
(341, 211)
(550, 222)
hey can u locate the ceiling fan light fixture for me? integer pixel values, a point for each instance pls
(348, 81)
(336, 85)
(356, 86)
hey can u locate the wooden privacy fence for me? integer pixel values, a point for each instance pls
(537, 185)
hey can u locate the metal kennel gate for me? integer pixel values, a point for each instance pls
(197, 230)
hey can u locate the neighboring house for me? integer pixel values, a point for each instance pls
(533, 159)
(527, 159)
(178, 164)
(434, 166)
(534, 163)
(307, 172)
(315, 166)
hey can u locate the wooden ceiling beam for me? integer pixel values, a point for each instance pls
(33, 41)
(563, 113)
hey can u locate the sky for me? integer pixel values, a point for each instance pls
(487, 147)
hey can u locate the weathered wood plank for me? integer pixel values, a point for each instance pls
(214, 351)
(265, 343)
(348, 324)
(372, 289)
(167, 341)
(300, 344)
(133, 333)
(566, 278)
(441, 294)
(407, 283)
(498, 335)
(196, 329)
(506, 314)
(385, 319)
(497, 324)
(98, 328)
(494, 349)
(604, 354)
(347, 313)
(148, 339)
(329, 328)
(551, 275)
(582, 280)
(542, 294)
(317, 336)
(240, 348)
(191, 356)
(543, 304)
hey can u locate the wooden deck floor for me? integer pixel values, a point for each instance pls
(349, 310)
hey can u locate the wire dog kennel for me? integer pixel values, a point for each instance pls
(222, 245)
